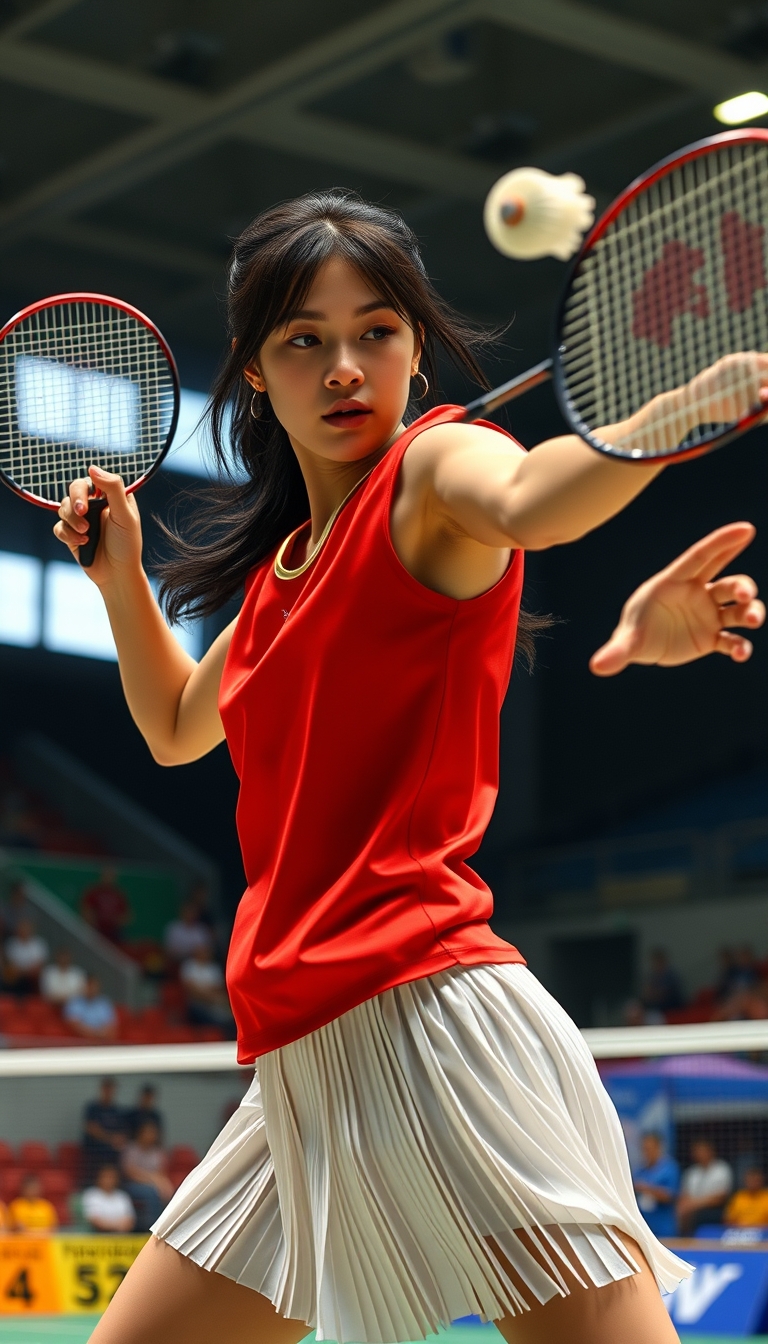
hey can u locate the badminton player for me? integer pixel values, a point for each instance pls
(426, 1135)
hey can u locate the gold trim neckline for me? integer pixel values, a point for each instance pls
(280, 570)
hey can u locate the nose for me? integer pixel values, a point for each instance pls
(345, 371)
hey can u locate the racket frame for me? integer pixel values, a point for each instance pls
(58, 300)
(696, 150)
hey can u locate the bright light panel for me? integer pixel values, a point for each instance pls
(76, 621)
(745, 107)
(75, 618)
(192, 452)
(79, 406)
(21, 581)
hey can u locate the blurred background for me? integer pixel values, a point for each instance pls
(628, 853)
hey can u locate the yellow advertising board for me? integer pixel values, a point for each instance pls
(49, 1274)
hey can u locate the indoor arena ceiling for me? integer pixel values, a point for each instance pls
(138, 137)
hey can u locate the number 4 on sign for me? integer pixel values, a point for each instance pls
(28, 1283)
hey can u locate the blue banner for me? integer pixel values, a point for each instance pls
(726, 1295)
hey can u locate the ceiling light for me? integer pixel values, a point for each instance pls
(745, 107)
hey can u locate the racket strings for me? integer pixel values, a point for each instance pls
(81, 383)
(677, 282)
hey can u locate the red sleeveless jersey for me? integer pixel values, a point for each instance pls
(362, 714)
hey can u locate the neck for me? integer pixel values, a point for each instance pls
(328, 482)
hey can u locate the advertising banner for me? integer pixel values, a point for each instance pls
(49, 1274)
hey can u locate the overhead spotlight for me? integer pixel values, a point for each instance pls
(745, 107)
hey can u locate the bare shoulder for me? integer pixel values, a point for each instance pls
(438, 442)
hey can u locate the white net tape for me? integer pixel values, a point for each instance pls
(217, 1057)
(677, 282)
(81, 384)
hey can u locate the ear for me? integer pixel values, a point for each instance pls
(418, 349)
(254, 378)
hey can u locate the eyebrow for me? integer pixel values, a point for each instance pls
(315, 316)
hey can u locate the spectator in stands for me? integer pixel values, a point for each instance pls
(92, 1014)
(15, 908)
(61, 980)
(145, 1109)
(705, 1188)
(104, 1129)
(749, 1206)
(144, 1166)
(204, 990)
(105, 906)
(25, 955)
(107, 1208)
(30, 1212)
(656, 1185)
(185, 935)
(662, 990)
(635, 1014)
(5, 1218)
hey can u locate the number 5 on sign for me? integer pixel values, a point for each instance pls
(90, 1269)
(28, 1280)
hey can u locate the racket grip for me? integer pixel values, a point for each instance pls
(87, 553)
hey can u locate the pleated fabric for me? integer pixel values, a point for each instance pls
(375, 1178)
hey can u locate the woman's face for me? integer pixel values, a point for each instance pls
(338, 374)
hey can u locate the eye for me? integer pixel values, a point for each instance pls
(378, 333)
(304, 341)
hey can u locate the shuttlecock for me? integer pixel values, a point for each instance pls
(529, 213)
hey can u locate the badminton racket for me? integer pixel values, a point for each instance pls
(668, 282)
(85, 380)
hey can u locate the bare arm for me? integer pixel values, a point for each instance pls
(563, 489)
(173, 699)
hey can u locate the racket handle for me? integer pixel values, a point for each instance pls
(87, 553)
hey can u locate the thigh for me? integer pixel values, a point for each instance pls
(630, 1311)
(166, 1298)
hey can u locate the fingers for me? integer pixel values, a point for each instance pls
(709, 555)
(739, 588)
(614, 656)
(735, 647)
(750, 614)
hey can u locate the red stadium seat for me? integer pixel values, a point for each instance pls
(56, 1182)
(10, 1182)
(183, 1155)
(209, 1034)
(61, 1205)
(69, 1157)
(7, 1155)
(34, 1156)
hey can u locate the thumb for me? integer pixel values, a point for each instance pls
(615, 655)
(113, 487)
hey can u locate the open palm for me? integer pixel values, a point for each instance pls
(685, 612)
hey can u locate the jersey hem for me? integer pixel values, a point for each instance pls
(444, 958)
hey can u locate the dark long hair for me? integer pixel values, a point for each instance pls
(274, 263)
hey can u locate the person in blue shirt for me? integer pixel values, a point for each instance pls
(656, 1186)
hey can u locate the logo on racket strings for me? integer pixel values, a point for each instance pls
(670, 287)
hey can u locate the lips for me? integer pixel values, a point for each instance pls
(347, 414)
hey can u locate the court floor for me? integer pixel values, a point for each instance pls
(77, 1330)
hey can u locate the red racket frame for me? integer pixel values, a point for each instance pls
(56, 300)
(659, 170)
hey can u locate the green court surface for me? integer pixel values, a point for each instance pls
(77, 1330)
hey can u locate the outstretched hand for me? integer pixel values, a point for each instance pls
(684, 612)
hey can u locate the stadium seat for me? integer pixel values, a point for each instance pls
(183, 1155)
(56, 1182)
(34, 1155)
(10, 1182)
(69, 1157)
(7, 1155)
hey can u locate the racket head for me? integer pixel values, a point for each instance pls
(671, 278)
(85, 380)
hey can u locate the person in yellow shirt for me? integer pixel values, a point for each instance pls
(749, 1206)
(30, 1212)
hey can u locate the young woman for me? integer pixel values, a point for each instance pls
(426, 1135)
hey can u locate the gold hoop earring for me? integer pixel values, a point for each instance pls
(256, 414)
(423, 377)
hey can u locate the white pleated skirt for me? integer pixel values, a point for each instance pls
(376, 1176)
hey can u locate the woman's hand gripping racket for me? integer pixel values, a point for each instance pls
(86, 381)
(665, 307)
